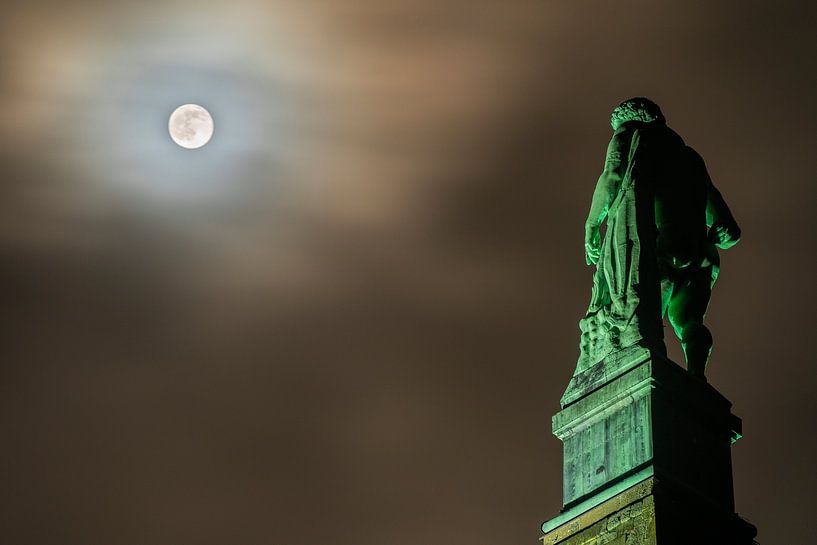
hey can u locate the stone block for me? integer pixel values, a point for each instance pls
(652, 513)
(647, 458)
(652, 417)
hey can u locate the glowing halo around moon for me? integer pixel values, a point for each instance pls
(190, 126)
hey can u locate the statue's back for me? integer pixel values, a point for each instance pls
(679, 185)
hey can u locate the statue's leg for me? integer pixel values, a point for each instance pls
(687, 307)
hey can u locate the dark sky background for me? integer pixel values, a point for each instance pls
(349, 318)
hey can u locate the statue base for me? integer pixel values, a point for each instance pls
(648, 446)
(651, 513)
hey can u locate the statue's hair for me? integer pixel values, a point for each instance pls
(636, 109)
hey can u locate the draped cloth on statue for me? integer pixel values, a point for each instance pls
(624, 307)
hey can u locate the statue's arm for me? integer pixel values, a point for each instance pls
(603, 196)
(723, 229)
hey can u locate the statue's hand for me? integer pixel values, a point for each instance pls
(724, 234)
(592, 244)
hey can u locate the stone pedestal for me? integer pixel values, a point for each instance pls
(646, 456)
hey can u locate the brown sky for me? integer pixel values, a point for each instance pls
(349, 318)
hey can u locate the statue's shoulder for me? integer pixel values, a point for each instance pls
(630, 133)
(694, 162)
(623, 136)
(693, 156)
(628, 128)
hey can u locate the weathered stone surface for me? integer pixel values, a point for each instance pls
(602, 520)
(603, 372)
(652, 513)
(647, 455)
(654, 415)
(633, 525)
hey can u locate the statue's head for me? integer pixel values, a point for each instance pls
(636, 109)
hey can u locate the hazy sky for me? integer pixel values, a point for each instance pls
(349, 318)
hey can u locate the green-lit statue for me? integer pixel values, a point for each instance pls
(658, 253)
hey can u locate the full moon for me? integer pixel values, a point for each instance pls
(190, 126)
